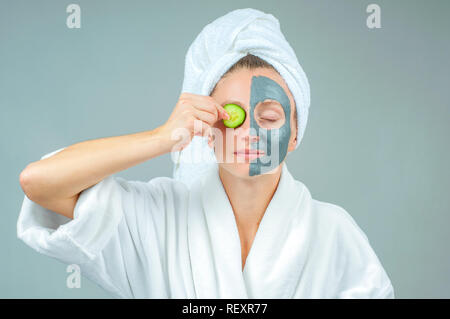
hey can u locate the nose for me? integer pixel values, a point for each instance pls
(243, 132)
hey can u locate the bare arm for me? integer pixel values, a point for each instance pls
(56, 182)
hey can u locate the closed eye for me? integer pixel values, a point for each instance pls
(270, 120)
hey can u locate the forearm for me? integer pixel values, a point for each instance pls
(84, 164)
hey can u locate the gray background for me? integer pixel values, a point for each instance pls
(376, 142)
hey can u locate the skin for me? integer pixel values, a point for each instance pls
(249, 195)
(56, 182)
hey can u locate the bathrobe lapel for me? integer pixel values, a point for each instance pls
(279, 251)
(213, 245)
(276, 258)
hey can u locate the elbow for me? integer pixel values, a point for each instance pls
(27, 182)
(24, 179)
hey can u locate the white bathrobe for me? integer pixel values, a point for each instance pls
(159, 239)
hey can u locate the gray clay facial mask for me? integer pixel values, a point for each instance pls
(274, 142)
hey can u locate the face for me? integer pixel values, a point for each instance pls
(266, 112)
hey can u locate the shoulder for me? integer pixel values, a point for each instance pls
(346, 247)
(335, 220)
(335, 230)
(323, 218)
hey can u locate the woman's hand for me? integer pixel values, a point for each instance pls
(56, 182)
(193, 114)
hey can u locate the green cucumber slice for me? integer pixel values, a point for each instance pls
(237, 115)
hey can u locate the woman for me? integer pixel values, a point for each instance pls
(243, 228)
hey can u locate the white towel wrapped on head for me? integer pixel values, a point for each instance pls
(220, 45)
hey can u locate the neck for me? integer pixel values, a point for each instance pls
(249, 197)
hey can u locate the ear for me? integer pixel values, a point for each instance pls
(293, 142)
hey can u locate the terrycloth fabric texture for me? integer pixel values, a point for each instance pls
(161, 239)
(218, 46)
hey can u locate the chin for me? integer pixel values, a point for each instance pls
(237, 169)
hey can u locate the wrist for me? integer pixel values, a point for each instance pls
(164, 135)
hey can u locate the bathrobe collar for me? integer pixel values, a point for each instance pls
(274, 264)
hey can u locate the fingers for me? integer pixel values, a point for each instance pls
(200, 112)
(224, 114)
(208, 104)
(204, 122)
(206, 117)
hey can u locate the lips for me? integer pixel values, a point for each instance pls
(247, 151)
(249, 154)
